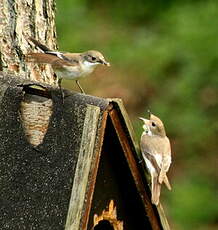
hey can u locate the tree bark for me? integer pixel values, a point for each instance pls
(20, 19)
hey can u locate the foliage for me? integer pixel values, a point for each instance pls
(168, 52)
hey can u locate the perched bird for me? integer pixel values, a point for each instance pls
(67, 65)
(156, 152)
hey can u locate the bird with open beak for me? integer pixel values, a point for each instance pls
(72, 66)
(156, 152)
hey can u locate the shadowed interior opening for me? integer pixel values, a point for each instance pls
(104, 225)
(115, 182)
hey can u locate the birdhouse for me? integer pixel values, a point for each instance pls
(70, 164)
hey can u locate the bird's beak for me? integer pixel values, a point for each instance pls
(146, 121)
(103, 62)
(107, 64)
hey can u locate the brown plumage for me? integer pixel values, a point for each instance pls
(67, 65)
(156, 152)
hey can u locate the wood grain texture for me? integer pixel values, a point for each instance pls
(35, 112)
(118, 104)
(36, 182)
(133, 167)
(123, 130)
(56, 179)
(20, 19)
(83, 167)
(163, 217)
(94, 169)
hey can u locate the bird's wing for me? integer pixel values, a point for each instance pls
(50, 58)
(148, 151)
(55, 58)
(158, 152)
(72, 58)
(152, 165)
(166, 160)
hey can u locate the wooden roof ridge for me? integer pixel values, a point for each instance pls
(124, 118)
(90, 115)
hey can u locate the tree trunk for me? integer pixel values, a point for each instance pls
(20, 19)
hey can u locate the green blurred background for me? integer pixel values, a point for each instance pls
(164, 57)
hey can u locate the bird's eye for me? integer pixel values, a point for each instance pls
(153, 124)
(93, 58)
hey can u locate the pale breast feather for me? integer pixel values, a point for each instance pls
(157, 148)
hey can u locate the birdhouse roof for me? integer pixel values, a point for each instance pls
(53, 183)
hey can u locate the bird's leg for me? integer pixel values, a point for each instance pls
(59, 85)
(81, 89)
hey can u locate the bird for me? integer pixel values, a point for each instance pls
(156, 152)
(66, 65)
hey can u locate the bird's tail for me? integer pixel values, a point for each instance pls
(155, 193)
(40, 45)
(167, 183)
(163, 178)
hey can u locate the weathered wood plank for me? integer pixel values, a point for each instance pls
(118, 104)
(62, 169)
(36, 182)
(94, 169)
(83, 167)
(163, 217)
(134, 170)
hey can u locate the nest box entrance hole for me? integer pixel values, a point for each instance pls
(35, 112)
(104, 225)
